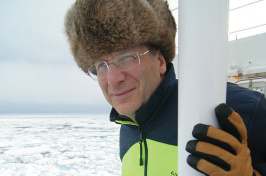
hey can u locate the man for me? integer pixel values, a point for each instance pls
(128, 47)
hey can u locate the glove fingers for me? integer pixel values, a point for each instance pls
(231, 122)
(211, 153)
(217, 137)
(204, 166)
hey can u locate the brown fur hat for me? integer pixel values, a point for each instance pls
(98, 27)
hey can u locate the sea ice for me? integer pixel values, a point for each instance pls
(59, 146)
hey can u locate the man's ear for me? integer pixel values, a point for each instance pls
(161, 63)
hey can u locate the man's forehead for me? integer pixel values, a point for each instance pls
(113, 54)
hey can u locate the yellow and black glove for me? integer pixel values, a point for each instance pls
(221, 152)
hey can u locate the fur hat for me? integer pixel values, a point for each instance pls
(98, 27)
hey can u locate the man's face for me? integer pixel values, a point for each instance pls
(128, 90)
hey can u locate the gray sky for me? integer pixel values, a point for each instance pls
(37, 71)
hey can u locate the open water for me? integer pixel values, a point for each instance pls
(59, 146)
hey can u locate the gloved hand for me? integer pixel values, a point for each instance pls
(221, 152)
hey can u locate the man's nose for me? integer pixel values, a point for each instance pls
(114, 75)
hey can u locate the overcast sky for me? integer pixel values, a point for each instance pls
(37, 71)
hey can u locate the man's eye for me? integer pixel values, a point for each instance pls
(101, 66)
(125, 60)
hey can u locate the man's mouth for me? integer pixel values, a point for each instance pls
(123, 93)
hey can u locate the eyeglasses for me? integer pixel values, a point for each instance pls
(123, 62)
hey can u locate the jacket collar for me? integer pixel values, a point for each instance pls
(154, 104)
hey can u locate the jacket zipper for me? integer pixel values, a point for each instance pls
(141, 140)
(140, 153)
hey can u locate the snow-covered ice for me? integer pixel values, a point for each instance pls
(59, 146)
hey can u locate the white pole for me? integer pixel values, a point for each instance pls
(201, 69)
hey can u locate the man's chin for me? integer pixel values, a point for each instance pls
(126, 110)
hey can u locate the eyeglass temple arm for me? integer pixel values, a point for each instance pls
(144, 53)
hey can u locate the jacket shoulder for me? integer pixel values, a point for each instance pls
(244, 101)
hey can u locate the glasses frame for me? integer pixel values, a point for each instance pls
(95, 77)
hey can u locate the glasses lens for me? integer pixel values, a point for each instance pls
(123, 62)
(127, 61)
(98, 70)
(92, 72)
(102, 69)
